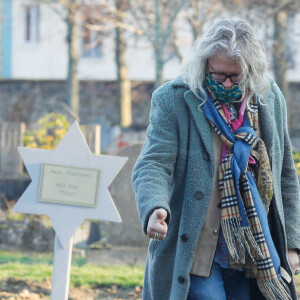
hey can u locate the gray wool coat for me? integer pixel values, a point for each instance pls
(175, 171)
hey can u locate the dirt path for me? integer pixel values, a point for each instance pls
(16, 289)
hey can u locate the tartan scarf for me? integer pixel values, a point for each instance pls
(244, 203)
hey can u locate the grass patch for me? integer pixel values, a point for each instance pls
(39, 267)
(47, 259)
(37, 272)
(87, 275)
(16, 257)
(95, 276)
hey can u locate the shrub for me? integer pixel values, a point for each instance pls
(51, 128)
(296, 156)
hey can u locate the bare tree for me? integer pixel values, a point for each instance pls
(73, 13)
(281, 9)
(156, 19)
(118, 20)
(124, 83)
(68, 10)
(72, 87)
(260, 13)
(101, 17)
(271, 17)
(202, 12)
(275, 13)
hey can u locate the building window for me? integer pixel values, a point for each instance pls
(32, 23)
(92, 45)
(92, 39)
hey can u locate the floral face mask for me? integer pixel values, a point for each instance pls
(223, 94)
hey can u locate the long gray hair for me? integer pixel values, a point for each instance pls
(237, 39)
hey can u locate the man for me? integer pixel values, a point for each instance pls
(216, 187)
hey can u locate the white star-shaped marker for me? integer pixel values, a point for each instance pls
(72, 151)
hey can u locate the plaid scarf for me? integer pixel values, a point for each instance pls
(244, 204)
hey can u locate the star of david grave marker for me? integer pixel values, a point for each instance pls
(69, 184)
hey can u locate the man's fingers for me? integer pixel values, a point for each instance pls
(161, 214)
(157, 236)
(157, 227)
(293, 260)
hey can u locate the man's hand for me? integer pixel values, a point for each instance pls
(157, 227)
(293, 260)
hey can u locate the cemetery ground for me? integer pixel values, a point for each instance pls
(29, 277)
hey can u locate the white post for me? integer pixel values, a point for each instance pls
(61, 270)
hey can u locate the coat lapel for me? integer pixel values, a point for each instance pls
(266, 120)
(202, 124)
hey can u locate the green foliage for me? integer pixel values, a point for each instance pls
(13, 216)
(52, 127)
(296, 156)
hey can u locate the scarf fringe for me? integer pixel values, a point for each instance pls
(238, 239)
(248, 246)
(274, 289)
(253, 242)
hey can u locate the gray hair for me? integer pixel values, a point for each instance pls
(237, 39)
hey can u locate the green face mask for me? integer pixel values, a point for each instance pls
(223, 94)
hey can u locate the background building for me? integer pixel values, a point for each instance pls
(34, 47)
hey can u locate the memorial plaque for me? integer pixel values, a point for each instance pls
(69, 185)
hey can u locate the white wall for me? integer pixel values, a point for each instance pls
(48, 58)
(42, 60)
(293, 74)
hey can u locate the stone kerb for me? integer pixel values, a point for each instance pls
(126, 241)
(92, 134)
(128, 233)
(11, 137)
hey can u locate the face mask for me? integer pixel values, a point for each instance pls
(223, 94)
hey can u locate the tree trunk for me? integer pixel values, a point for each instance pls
(196, 24)
(72, 92)
(159, 46)
(159, 66)
(95, 232)
(279, 62)
(124, 83)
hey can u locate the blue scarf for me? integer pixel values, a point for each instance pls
(249, 246)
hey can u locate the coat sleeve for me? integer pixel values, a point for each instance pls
(155, 164)
(289, 184)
